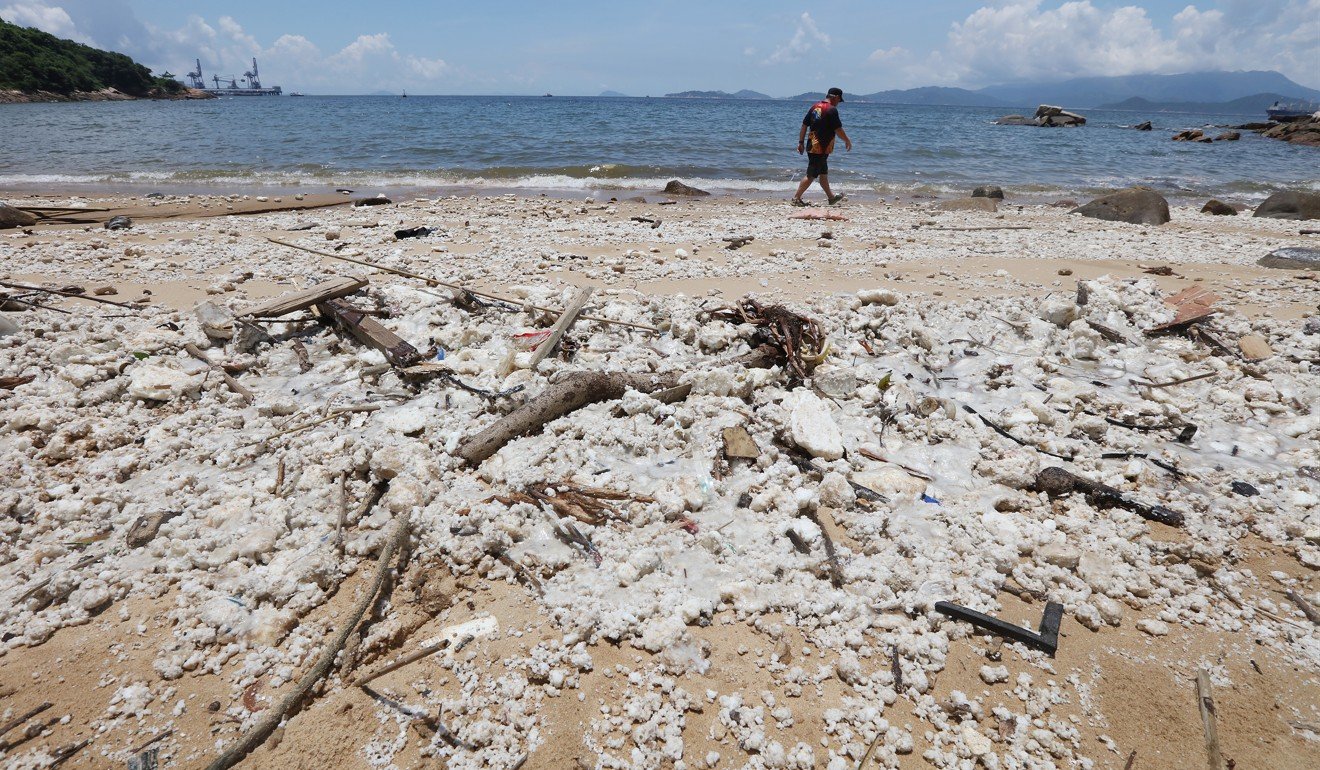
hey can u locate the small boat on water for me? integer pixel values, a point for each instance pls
(1292, 110)
(296, 93)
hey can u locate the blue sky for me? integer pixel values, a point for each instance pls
(780, 48)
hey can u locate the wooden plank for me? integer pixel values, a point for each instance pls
(561, 326)
(1206, 700)
(301, 300)
(370, 332)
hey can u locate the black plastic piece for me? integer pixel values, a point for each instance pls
(1047, 640)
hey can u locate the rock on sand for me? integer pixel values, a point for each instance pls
(12, 217)
(1294, 258)
(812, 425)
(1290, 205)
(676, 187)
(1136, 205)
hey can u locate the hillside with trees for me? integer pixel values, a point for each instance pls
(32, 61)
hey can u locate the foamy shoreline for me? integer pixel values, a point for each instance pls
(707, 636)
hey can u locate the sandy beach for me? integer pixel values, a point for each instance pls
(739, 575)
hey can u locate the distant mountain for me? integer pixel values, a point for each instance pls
(1186, 87)
(1256, 104)
(611, 93)
(957, 97)
(743, 94)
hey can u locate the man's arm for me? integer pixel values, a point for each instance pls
(847, 143)
(802, 136)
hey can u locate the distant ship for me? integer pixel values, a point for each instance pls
(251, 77)
(296, 93)
(1292, 110)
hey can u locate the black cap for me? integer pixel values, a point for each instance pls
(835, 92)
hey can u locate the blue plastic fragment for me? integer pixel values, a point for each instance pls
(925, 498)
(440, 354)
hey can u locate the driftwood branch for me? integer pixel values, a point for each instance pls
(580, 389)
(370, 332)
(232, 383)
(262, 730)
(284, 304)
(561, 327)
(1056, 482)
(1205, 699)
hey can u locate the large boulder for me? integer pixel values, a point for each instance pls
(988, 191)
(1218, 208)
(1191, 135)
(1290, 205)
(1293, 258)
(1305, 131)
(1048, 115)
(1136, 205)
(1229, 136)
(12, 217)
(1015, 120)
(1144, 126)
(676, 187)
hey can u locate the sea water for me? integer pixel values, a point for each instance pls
(617, 147)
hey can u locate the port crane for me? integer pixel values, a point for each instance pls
(251, 75)
(195, 79)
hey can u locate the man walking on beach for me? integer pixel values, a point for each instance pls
(823, 121)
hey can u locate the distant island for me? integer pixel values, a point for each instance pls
(743, 94)
(613, 94)
(1255, 104)
(37, 66)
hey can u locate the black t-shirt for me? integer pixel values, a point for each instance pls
(822, 120)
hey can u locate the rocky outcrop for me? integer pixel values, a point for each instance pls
(1218, 208)
(104, 95)
(1046, 116)
(1305, 132)
(1295, 258)
(1192, 135)
(1228, 136)
(1146, 126)
(1135, 205)
(11, 217)
(1290, 205)
(676, 187)
(988, 191)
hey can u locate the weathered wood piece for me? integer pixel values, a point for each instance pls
(1205, 700)
(25, 716)
(371, 332)
(69, 294)
(232, 383)
(1307, 609)
(738, 443)
(301, 300)
(561, 327)
(1047, 640)
(578, 389)
(274, 716)
(1056, 482)
(1254, 347)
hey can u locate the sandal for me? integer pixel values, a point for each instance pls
(836, 198)
(798, 202)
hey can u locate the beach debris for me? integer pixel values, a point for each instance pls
(25, 716)
(586, 504)
(217, 320)
(1046, 639)
(1218, 208)
(738, 443)
(561, 327)
(1057, 482)
(1290, 205)
(988, 191)
(11, 382)
(378, 200)
(1311, 613)
(1254, 347)
(800, 340)
(1292, 258)
(1193, 304)
(1205, 700)
(969, 204)
(119, 222)
(676, 187)
(818, 214)
(1134, 205)
(413, 232)
(79, 294)
(653, 222)
(395, 539)
(580, 388)
(738, 241)
(232, 383)
(284, 304)
(1244, 489)
(11, 217)
(144, 530)
(370, 332)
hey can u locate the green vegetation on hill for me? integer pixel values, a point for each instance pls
(32, 60)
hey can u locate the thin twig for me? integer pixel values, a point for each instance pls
(1206, 701)
(69, 294)
(438, 282)
(1305, 606)
(259, 733)
(18, 720)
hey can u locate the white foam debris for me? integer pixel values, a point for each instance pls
(118, 427)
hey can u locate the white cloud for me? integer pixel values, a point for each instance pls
(888, 54)
(1032, 39)
(805, 37)
(52, 19)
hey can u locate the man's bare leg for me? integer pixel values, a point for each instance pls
(825, 185)
(802, 187)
